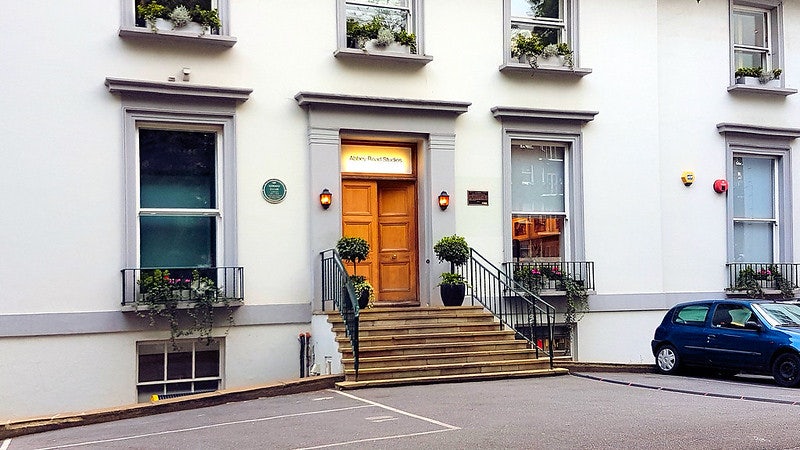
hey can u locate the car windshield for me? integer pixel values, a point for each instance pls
(780, 314)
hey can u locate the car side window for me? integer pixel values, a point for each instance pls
(694, 315)
(731, 316)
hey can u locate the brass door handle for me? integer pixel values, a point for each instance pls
(394, 256)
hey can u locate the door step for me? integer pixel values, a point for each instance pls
(346, 385)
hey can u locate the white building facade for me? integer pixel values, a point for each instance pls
(128, 149)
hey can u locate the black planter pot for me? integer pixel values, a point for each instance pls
(363, 299)
(453, 294)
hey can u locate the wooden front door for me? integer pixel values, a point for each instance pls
(384, 213)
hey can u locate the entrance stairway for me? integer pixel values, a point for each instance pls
(434, 345)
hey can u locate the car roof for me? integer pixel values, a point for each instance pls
(740, 301)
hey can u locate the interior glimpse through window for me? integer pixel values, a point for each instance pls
(538, 206)
(751, 40)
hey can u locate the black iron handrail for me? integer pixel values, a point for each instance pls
(229, 282)
(551, 274)
(339, 290)
(516, 307)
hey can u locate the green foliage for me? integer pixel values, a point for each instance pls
(358, 33)
(163, 296)
(352, 249)
(750, 281)
(533, 46)
(360, 284)
(453, 249)
(577, 299)
(179, 11)
(749, 72)
(452, 278)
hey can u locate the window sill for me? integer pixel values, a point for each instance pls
(763, 90)
(145, 34)
(363, 55)
(515, 67)
(184, 304)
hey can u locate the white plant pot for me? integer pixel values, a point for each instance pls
(748, 81)
(550, 61)
(166, 25)
(372, 47)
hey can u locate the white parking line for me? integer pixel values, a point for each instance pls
(205, 427)
(398, 411)
(5, 445)
(445, 427)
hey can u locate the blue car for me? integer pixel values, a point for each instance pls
(732, 336)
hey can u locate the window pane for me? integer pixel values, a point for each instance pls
(752, 242)
(395, 19)
(151, 367)
(550, 9)
(206, 386)
(179, 364)
(177, 169)
(537, 236)
(178, 241)
(753, 188)
(749, 28)
(207, 360)
(537, 178)
(749, 58)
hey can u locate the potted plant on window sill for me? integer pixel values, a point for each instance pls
(528, 48)
(377, 36)
(355, 250)
(158, 16)
(163, 296)
(756, 76)
(453, 249)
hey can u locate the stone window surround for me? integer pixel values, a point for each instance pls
(175, 103)
(769, 141)
(343, 52)
(129, 30)
(571, 33)
(563, 126)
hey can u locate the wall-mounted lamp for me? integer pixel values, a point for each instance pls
(444, 200)
(325, 198)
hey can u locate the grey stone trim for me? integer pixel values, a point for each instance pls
(759, 131)
(76, 323)
(519, 68)
(176, 89)
(512, 112)
(741, 88)
(356, 54)
(172, 37)
(646, 302)
(308, 99)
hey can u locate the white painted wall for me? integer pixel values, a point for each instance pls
(659, 86)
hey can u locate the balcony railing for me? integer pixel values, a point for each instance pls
(547, 278)
(763, 279)
(229, 282)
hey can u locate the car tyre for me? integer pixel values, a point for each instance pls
(667, 360)
(786, 370)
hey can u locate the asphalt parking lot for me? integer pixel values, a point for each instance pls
(589, 410)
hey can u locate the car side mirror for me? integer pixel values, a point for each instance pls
(752, 325)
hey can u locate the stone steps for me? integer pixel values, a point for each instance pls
(434, 344)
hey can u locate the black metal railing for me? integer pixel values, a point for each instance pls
(544, 276)
(516, 307)
(185, 283)
(763, 277)
(340, 292)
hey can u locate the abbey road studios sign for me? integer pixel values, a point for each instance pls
(376, 159)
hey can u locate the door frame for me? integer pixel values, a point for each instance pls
(382, 177)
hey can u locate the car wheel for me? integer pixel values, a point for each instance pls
(786, 370)
(667, 359)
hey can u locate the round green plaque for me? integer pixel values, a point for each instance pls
(274, 191)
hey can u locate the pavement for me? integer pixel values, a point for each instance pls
(754, 388)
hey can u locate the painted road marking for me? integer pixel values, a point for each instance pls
(205, 427)
(398, 411)
(5, 445)
(379, 419)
